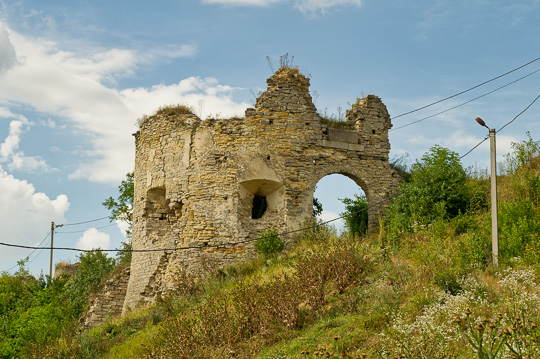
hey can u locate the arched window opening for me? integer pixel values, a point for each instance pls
(261, 196)
(339, 195)
(259, 206)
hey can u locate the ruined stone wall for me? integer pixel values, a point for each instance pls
(197, 182)
(108, 303)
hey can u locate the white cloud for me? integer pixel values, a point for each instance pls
(313, 6)
(94, 239)
(8, 57)
(17, 160)
(330, 216)
(26, 215)
(123, 227)
(6, 113)
(74, 86)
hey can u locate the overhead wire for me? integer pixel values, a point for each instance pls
(35, 249)
(221, 245)
(66, 232)
(519, 114)
(90, 221)
(467, 90)
(464, 103)
(61, 232)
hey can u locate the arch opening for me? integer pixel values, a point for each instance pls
(332, 192)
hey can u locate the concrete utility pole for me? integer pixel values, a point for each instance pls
(494, 211)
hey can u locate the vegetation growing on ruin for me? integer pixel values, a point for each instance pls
(422, 287)
(174, 110)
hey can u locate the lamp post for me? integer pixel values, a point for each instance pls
(494, 213)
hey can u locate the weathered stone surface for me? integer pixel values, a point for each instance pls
(65, 269)
(108, 303)
(197, 182)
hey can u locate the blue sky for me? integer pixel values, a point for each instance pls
(76, 75)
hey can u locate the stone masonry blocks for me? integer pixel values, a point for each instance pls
(197, 182)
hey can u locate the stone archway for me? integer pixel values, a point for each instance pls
(330, 194)
(371, 192)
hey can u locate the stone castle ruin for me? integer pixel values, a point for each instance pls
(205, 189)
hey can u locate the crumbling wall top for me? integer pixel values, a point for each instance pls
(369, 108)
(288, 90)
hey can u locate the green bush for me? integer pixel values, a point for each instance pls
(519, 222)
(93, 267)
(449, 281)
(37, 311)
(269, 242)
(523, 154)
(355, 215)
(436, 190)
(31, 311)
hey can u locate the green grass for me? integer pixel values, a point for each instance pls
(357, 297)
(132, 347)
(334, 122)
(173, 110)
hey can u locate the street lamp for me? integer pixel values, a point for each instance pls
(494, 213)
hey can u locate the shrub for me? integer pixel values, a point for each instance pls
(171, 110)
(31, 311)
(94, 266)
(269, 242)
(519, 223)
(436, 190)
(355, 215)
(524, 153)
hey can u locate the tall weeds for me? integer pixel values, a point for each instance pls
(259, 311)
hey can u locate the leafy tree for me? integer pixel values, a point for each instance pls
(122, 210)
(31, 311)
(36, 311)
(522, 155)
(436, 190)
(122, 207)
(317, 207)
(356, 214)
(93, 267)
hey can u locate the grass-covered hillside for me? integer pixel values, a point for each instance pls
(422, 285)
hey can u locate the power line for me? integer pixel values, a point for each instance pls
(467, 90)
(35, 249)
(90, 221)
(519, 114)
(464, 103)
(221, 245)
(108, 225)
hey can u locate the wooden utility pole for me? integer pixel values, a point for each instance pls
(52, 246)
(53, 227)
